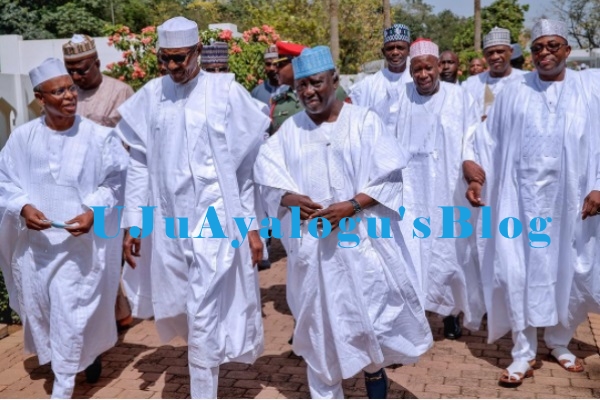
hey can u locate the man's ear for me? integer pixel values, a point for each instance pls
(97, 62)
(335, 78)
(39, 98)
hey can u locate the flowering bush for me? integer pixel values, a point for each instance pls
(140, 65)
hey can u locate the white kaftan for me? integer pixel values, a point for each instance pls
(381, 93)
(64, 286)
(478, 85)
(356, 306)
(432, 129)
(541, 155)
(193, 147)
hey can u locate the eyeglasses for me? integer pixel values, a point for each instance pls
(552, 47)
(269, 63)
(395, 47)
(60, 92)
(81, 72)
(282, 63)
(176, 58)
(216, 69)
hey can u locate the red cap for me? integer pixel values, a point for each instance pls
(287, 49)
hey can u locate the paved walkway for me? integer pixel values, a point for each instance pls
(140, 367)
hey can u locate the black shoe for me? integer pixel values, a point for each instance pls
(264, 265)
(452, 329)
(376, 384)
(92, 373)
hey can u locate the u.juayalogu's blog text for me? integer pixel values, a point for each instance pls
(455, 224)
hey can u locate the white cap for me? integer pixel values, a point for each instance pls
(177, 33)
(49, 69)
(497, 37)
(548, 27)
(517, 51)
(424, 47)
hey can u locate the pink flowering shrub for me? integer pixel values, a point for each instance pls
(139, 64)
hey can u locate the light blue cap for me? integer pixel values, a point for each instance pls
(312, 61)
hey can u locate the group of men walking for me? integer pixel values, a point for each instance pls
(199, 147)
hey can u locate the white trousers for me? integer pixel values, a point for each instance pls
(525, 342)
(204, 382)
(321, 390)
(63, 385)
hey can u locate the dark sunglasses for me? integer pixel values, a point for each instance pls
(176, 58)
(394, 47)
(216, 69)
(282, 63)
(81, 72)
(552, 47)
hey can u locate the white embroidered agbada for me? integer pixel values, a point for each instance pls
(193, 147)
(353, 307)
(381, 93)
(432, 129)
(476, 86)
(62, 286)
(542, 157)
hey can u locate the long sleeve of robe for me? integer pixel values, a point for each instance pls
(542, 160)
(63, 286)
(353, 306)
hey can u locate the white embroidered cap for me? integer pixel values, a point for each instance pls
(177, 33)
(49, 69)
(549, 27)
(424, 47)
(497, 37)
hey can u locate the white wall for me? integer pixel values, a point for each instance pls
(17, 58)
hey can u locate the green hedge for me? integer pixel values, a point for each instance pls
(7, 316)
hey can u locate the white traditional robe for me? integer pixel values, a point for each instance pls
(541, 154)
(63, 287)
(100, 105)
(357, 306)
(193, 147)
(476, 86)
(432, 129)
(381, 93)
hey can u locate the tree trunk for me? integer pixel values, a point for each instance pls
(387, 14)
(477, 25)
(334, 30)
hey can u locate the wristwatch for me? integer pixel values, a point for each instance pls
(356, 205)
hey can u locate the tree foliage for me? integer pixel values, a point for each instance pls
(301, 21)
(139, 64)
(507, 14)
(583, 17)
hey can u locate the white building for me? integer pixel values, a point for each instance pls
(17, 58)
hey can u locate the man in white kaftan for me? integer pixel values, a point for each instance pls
(434, 117)
(62, 282)
(486, 86)
(193, 138)
(381, 91)
(355, 308)
(542, 160)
